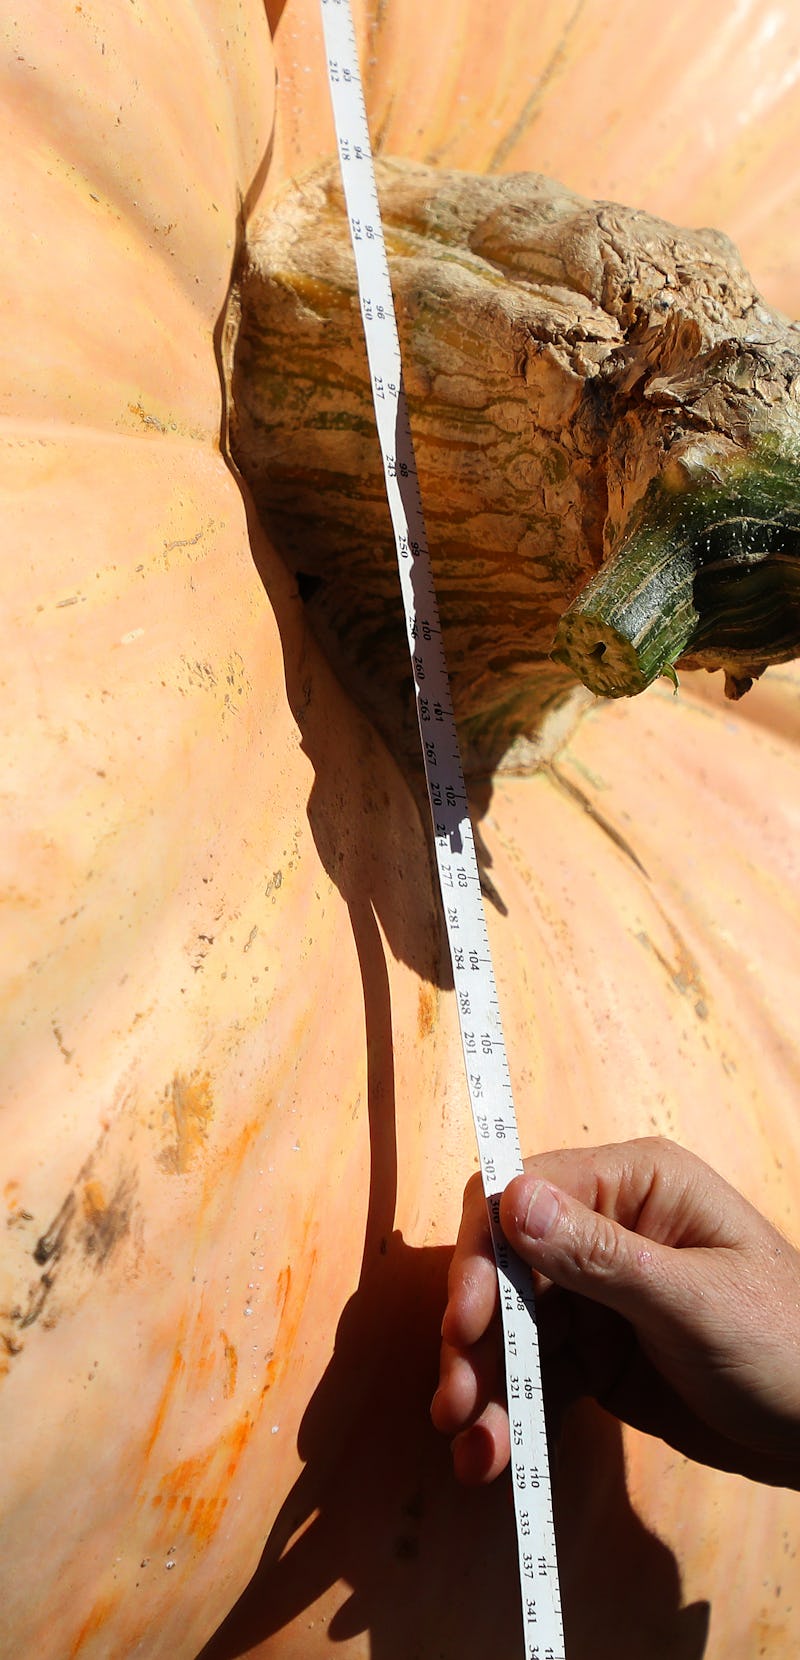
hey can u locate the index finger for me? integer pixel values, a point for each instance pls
(472, 1279)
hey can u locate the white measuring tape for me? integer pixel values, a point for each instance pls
(485, 1058)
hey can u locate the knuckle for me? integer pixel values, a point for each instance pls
(664, 1144)
(659, 1148)
(598, 1253)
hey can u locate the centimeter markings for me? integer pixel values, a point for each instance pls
(485, 1058)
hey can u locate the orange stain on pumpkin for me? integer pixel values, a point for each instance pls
(191, 1107)
(283, 1286)
(229, 1159)
(94, 1622)
(196, 1353)
(285, 1333)
(94, 1200)
(194, 1492)
(177, 1367)
(290, 1314)
(237, 1152)
(11, 1194)
(231, 1366)
(426, 1012)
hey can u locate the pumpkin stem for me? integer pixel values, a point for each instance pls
(707, 573)
(588, 387)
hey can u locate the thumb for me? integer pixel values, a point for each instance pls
(584, 1251)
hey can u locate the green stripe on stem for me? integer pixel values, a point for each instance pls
(710, 572)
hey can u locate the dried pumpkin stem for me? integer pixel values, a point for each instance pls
(597, 398)
(707, 573)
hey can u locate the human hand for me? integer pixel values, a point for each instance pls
(660, 1291)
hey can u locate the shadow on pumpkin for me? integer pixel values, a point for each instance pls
(432, 1568)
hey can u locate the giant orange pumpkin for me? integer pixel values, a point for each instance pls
(234, 1135)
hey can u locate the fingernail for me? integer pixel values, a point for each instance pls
(541, 1213)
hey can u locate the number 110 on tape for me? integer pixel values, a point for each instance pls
(487, 1074)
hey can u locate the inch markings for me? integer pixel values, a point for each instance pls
(485, 1060)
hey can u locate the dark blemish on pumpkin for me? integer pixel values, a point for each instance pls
(185, 542)
(51, 1244)
(575, 794)
(199, 673)
(100, 1226)
(426, 1012)
(204, 944)
(684, 973)
(17, 1214)
(18, 1218)
(36, 1301)
(105, 1222)
(406, 1548)
(59, 1037)
(490, 892)
(190, 1104)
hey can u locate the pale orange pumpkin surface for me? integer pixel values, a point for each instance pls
(234, 1127)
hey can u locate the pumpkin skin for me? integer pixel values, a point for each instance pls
(144, 1004)
(177, 1059)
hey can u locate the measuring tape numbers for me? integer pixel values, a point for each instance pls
(486, 1063)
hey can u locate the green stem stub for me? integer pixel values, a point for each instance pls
(710, 574)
